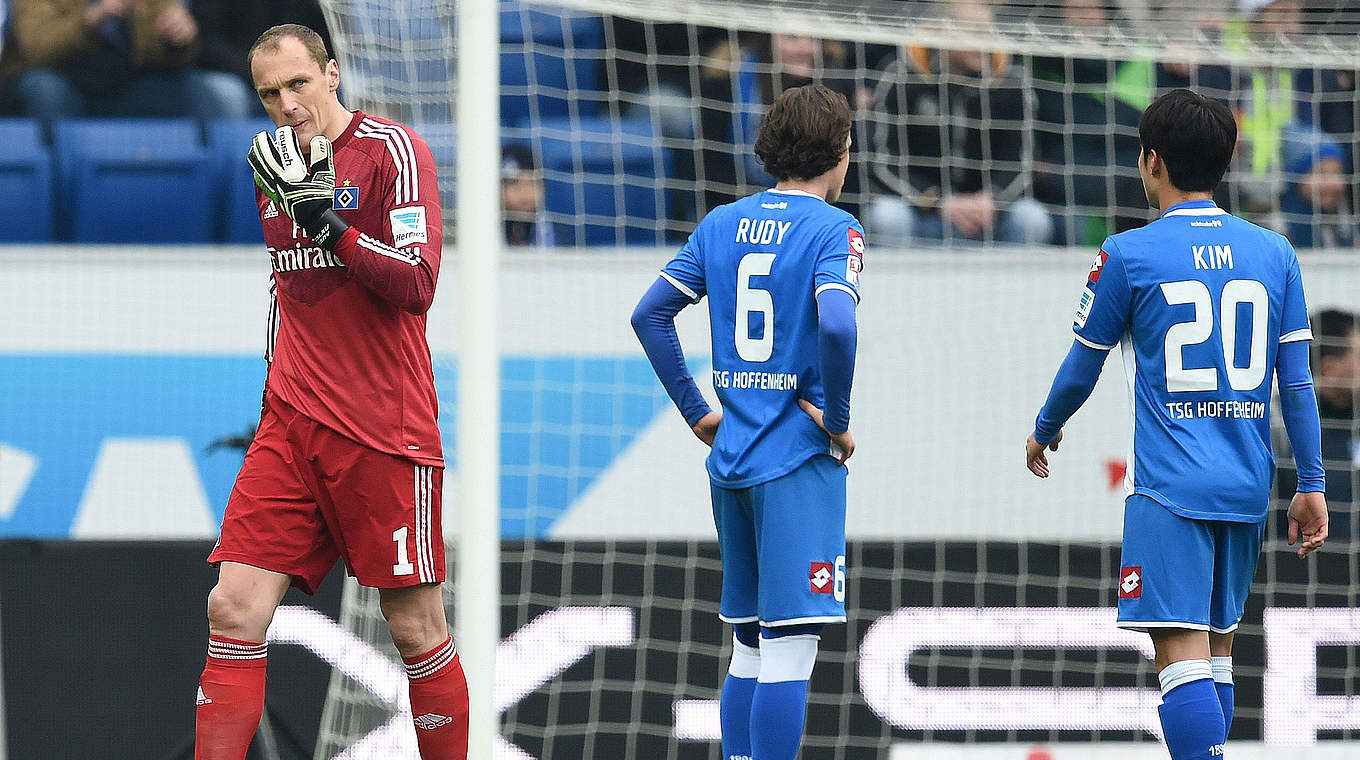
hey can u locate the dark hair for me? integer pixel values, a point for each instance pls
(271, 37)
(1332, 333)
(1194, 135)
(804, 132)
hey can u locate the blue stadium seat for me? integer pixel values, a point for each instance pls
(441, 137)
(237, 216)
(409, 71)
(606, 175)
(133, 181)
(25, 183)
(551, 62)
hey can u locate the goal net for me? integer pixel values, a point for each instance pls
(980, 601)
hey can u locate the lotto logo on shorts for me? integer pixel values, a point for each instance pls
(1131, 582)
(820, 574)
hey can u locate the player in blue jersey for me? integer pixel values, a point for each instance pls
(781, 272)
(1207, 309)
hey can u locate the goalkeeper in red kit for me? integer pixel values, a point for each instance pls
(346, 463)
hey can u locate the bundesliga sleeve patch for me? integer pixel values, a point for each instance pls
(1097, 266)
(408, 226)
(1088, 297)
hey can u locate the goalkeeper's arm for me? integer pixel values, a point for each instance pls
(404, 277)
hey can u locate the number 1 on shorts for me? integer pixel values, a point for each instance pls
(403, 566)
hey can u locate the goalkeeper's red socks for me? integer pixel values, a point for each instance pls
(230, 698)
(439, 702)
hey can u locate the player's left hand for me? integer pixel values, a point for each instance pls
(304, 192)
(706, 429)
(1308, 520)
(843, 444)
(1035, 458)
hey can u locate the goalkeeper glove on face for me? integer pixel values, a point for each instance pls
(305, 193)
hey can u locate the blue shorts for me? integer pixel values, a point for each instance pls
(783, 547)
(1176, 572)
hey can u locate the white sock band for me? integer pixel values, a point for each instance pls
(1222, 667)
(745, 661)
(1183, 672)
(787, 658)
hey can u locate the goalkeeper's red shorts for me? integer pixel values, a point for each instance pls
(307, 495)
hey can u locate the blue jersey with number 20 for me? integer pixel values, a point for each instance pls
(762, 261)
(1200, 301)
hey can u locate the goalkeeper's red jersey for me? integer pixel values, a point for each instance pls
(347, 341)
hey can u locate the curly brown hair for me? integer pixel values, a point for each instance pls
(804, 132)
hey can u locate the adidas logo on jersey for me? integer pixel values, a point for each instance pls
(430, 721)
(271, 211)
(203, 700)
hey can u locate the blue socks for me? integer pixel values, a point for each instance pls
(1192, 716)
(780, 703)
(734, 707)
(764, 697)
(777, 714)
(1223, 684)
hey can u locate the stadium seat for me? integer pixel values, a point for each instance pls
(236, 215)
(556, 65)
(133, 181)
(408, 73)
(440, 136)
(607, 176)
(25, 183)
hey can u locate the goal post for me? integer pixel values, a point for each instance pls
(477, 456)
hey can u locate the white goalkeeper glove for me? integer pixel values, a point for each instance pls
(305, 193)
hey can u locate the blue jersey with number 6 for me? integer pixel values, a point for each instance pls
(1200, 302)
(762, 261)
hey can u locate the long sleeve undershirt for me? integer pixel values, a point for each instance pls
(654, 322)
(836, 338)
(1298, 403)
(1298, 406)
(1072, 385)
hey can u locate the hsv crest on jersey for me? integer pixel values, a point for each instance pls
(820, 575)
(1097, 266)
(346, 198)
(1131, 582)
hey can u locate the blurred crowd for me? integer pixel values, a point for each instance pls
(73, 58)
(974, 145)
(950, 145)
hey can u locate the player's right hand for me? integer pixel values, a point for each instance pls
(1308, 520)
(842, 443)
(706, 429)
(1035, 459)
(303, 191)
